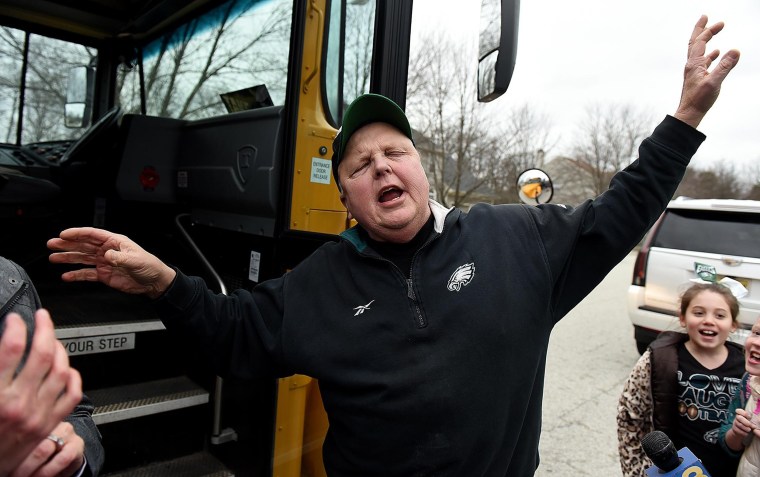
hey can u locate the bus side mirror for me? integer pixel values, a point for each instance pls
(497, 51)
(78, 108)
(535, 187)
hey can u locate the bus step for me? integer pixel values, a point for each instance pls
(152, 397)
(193, 465)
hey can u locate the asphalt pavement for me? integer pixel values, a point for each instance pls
(591, 353)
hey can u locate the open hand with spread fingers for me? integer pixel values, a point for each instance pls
(701, 86)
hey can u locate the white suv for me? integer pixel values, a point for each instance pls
(719, 233)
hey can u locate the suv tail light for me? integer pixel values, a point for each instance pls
(640, 267)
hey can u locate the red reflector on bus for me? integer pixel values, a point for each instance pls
(149, 177)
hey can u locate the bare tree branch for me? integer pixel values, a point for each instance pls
(608, 141)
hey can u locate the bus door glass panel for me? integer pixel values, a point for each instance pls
(354, 39)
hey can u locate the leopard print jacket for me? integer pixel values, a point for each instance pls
(634, 418)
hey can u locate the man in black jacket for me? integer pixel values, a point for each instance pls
(426, 327)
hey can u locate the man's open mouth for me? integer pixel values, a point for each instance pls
(389, 194)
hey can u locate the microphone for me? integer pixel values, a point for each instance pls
(667, 462)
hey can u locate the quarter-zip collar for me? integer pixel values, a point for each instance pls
(354, 237)
(401, 254)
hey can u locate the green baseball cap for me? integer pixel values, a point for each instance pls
(367, 108)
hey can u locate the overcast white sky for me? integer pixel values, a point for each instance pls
(573, 54)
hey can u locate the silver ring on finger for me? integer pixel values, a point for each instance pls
(59, 442)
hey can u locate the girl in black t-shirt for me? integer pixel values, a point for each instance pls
(682, 385)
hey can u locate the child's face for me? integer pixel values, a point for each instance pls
(708, 320)
(752, 350)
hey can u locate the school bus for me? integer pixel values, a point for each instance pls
(202, 129)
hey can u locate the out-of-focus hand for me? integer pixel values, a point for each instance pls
(742, 423)
(36, 400)
(115, 260)
(700, 86)
(50, 460)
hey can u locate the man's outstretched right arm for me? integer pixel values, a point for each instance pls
(112, 259)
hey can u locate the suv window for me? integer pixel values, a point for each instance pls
(710, 232)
